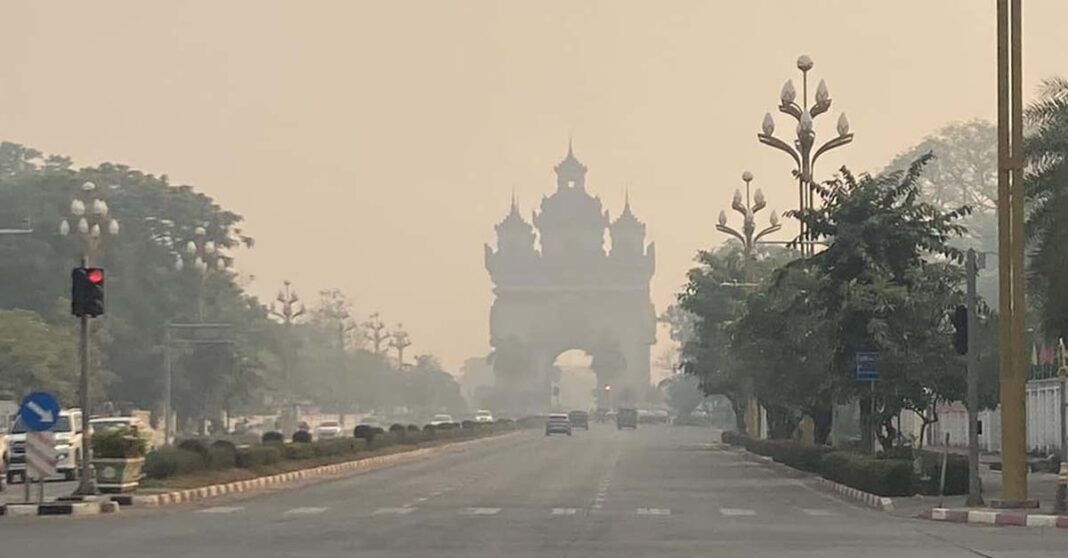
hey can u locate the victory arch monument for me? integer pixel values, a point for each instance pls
(560, 284)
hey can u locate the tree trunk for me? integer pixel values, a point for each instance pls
(782, 422)
(866, 441)
(738, 406)
(822, 421)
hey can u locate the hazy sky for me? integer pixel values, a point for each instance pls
(372, 146)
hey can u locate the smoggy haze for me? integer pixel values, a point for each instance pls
(372, 146)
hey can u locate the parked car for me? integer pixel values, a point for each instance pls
(483, 415)
(68, 446)
(627, 418)
(579, 419)
(440, 419)
(328, 429)
(558, 423)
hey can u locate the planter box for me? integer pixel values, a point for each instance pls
(115, 475)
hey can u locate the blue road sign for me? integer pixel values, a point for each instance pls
(867, 367)
(39, 411)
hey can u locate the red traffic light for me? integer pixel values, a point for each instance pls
(95, 275)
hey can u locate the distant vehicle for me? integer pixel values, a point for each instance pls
(627, 418)
(600, 415)
(103, 424)
(558, 423)
(372, 421)
(579, 419)
(483, 415)
(68, 440)
(438, 420)
(328, 429)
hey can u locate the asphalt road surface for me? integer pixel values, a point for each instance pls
(657, 491)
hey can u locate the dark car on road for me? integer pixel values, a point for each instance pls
(579, 419)
(558, 423)
(627, 418)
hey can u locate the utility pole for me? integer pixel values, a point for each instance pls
(971, 269)
(1060, 503)
(1012, 309)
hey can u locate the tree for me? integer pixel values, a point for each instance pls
(1046, 182)
(890, 279)
(684, 395)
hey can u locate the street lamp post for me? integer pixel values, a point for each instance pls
(749, 239)
(399, 340)
(375, 332)
(801, 151)
(205, 256)
(92, 221)
(291, 308)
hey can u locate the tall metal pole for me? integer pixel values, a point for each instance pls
(1010, 256)
(971, 269)
(168, 374)
(86, 483)
(1060, 501)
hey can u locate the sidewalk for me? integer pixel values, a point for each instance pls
(1040, 486)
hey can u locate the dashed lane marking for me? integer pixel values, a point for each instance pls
(565, 511)
(305, 511)
(221, 509)
(481, 511)
(818, 512)
(654, 511)
(394, 511)
(736, 512)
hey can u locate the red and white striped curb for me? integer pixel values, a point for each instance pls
(365, 464)
(988, 517)
(872, 500)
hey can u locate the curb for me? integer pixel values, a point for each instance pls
(337, 469)
(880, 503)
(985, 517)
(60, 508)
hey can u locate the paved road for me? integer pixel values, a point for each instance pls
(53, 488)
(659, 491)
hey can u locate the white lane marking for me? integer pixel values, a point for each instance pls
(565, 511)
(394, 511)
(654, 511)
(305, 511)
(221, 509)
(736, 511)
(481, 511)
(818, 512)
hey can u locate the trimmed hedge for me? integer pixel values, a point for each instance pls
(170, 461)
(298, 450)
(273, 437)
(364, 431)
(889, 474)
(221, 457)
(302, 437)
(258, 456)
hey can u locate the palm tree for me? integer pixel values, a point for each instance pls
(1046, 183)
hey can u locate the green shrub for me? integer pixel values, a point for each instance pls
(413, 428)
(195, 445)
(273, 437)
(258, 456)
(430, 432)
(336, 446)
(398, 431)
(298, 451)
(224, 444)
(119, 443)
(731, 437)
(469, 425)
(170, 461)
(884, 477)
(364, 431)
(221, 457)
(799, 456)
(302, 437)
(956, 473)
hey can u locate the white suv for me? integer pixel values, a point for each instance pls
(68, 439)
(483, 415)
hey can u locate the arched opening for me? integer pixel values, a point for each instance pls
(573, 382)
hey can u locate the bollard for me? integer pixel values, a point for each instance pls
(1060, 504)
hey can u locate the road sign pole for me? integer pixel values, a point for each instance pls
(167, 375)
(971, 267)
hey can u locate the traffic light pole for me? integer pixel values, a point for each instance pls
(971, 269)
(86, 483)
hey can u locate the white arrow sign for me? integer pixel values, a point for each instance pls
(44, 414)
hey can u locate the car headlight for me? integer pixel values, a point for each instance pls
(61, 456)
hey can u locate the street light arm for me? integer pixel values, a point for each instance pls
(836, 142)
(732, 232)
(820, 108)
(767, 231)
(793, 109)
(781, 146)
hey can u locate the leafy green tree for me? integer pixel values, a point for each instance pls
(684, 394)
(890, 279)
(1046, 181)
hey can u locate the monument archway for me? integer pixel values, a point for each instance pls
(557, 288)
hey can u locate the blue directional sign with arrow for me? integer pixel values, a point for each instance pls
(867, 367)
(39, 411)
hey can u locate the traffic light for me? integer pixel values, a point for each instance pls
(87, 291)
(960, 323)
